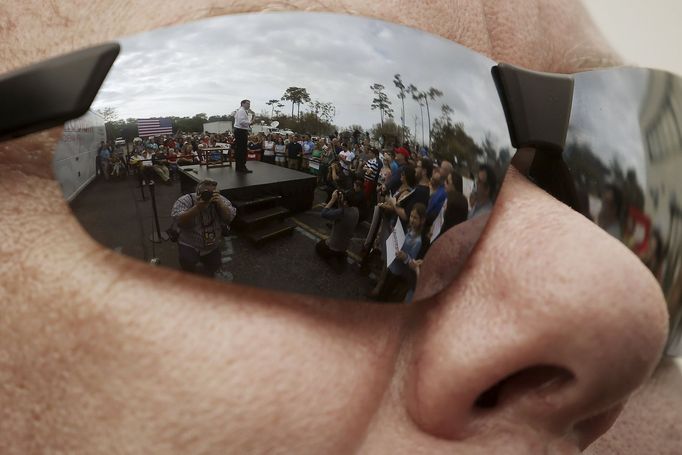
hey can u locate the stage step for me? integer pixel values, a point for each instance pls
(243, 206)
(247, 220)
(271, 231)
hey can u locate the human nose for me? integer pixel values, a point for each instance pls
(549, 326)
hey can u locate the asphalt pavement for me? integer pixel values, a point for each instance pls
(116, 215)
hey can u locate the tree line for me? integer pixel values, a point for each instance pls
(446, 139)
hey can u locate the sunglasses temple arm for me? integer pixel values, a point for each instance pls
(49, 93)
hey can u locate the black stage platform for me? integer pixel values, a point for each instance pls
(297, 189)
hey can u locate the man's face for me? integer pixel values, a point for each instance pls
(85, 366)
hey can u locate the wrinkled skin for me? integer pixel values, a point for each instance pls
(102, 354)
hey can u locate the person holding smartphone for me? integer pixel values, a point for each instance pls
(200, 217)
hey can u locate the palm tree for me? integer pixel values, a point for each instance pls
(400, 85)
(446, 111)
(381, 102)
(433, 93)
(272, 103)
(296, 95)
(417, 96)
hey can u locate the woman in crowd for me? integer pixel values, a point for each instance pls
(255, 147)
(316, 158)
(172, 158)
(187, 154)
(400, 200)
(160, 164)
(268, 150)
(401, 275)
(280, 151)
(326, 158)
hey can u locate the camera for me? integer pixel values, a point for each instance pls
(206, 195)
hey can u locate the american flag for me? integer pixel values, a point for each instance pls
(154, 126)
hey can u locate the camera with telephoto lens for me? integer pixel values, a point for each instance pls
(206, 195)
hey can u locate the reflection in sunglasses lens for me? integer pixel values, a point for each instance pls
(624, 144)
(323, 160)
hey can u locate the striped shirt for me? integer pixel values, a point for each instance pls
(372, 168)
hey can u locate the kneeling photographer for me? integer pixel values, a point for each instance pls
(343, 211)
(200, 218)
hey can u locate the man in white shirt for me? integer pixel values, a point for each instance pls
(242, 125)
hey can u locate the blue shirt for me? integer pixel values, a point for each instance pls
(411, 247)
(436, 202)
(308, 147)
(105, 153)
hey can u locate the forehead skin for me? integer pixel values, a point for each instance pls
(79, 324)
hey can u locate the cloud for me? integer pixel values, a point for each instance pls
(605, 114)
(209, 66)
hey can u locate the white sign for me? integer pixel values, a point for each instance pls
(394, 242)
(438, 223)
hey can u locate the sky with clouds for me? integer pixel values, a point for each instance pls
(209, 66)
(605, 113)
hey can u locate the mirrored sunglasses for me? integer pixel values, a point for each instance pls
(333, 158)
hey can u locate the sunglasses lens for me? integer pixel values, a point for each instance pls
(624, 152)
(340, 113)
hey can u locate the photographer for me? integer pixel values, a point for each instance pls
(342, 210)
(200, 217)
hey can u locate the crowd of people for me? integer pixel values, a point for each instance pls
(161, 155)
(405, 185)
(398, 185)
(362, 183)
(383, 187)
